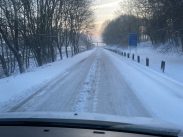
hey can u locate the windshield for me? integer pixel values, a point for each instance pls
(119, 58)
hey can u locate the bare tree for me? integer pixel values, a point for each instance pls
(38, 29)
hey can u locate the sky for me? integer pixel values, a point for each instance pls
(104, 10)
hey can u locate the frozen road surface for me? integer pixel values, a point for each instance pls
(107, 83)
(93, 85)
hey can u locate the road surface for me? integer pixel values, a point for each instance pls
(93, 85)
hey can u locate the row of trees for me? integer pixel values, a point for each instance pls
(38, 29)
(116, 31)
(159, 20)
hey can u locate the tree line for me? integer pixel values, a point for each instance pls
(160, 21)
(36, 30)
(116, 31)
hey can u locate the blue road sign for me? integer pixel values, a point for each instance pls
(132, 39)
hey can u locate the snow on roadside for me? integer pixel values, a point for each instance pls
(161, 95)
(174, 60)
(15, 88)
(87, 93)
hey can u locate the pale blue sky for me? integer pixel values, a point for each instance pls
(104, 10)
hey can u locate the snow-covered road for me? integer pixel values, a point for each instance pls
(93, 85)
(107, 83)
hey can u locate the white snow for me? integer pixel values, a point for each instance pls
(87, 90)
(173, 59)
(104, 83)
(161, 95)
(20, 86)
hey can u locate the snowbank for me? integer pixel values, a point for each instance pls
(20, 86)
(174, 60)
(161, 95)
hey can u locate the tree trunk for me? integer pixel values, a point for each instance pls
(181, 41)
(60, 52)
(3, 62)
(66, 51)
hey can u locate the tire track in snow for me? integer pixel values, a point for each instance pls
(87, 98)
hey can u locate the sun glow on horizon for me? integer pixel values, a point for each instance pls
(104, 10)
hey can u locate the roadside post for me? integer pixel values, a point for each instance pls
(128, 55)
(133, 57)
(147, 62)
(138, 59)
(163, 66)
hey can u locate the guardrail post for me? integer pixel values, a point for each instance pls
(138, 59)
(147, 62)
(125, 54)
(133, 57)
(128, 55)
(122, 53)
(163, 66)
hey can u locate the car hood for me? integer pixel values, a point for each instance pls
(114, 120)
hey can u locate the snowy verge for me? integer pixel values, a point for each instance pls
(15, 88)
(162, 96)
(174, 65)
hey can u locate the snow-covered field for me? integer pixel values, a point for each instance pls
(96, 81)
(173, 59)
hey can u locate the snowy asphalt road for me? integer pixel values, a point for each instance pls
(93, 85)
